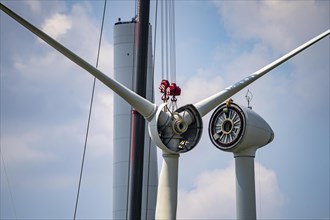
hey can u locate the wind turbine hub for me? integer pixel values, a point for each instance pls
(227, 126)
(179, 125)
(181, 133)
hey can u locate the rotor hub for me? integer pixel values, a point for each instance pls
(180, 133)
(227, 126)
(179, 125)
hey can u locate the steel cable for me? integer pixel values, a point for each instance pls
(89, 114)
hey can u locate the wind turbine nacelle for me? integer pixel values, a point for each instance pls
(239, 129)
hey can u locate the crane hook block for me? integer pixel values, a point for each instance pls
(168, 89)
(173, 90)
(163, 89)
(164, 85)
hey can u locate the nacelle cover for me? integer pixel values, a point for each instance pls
(239, 130)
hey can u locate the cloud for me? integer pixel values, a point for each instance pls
(270, 30)
(57, 25)
(269, 197)
(199, 86)
(280, 23)
(213, 195)
(34, 5)
(52, 182)
(48, 80)
(24, 149)
(46, 97)
(101, 128)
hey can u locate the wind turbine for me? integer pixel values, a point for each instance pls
(240, 130)
(176, 132)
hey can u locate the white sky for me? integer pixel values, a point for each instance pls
(45, 100)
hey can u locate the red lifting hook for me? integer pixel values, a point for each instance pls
(169, 90)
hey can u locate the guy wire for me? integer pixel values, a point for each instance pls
(90, 113)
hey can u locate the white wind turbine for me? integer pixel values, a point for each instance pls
(240, 130)
(180, 131)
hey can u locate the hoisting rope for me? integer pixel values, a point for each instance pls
(172, 42)
(90, 113)
(168, 55)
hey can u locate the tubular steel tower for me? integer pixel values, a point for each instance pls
(124, 68)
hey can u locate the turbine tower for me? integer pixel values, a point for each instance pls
(125, 54)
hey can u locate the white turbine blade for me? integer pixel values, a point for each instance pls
(142, 105)
(206, 105)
